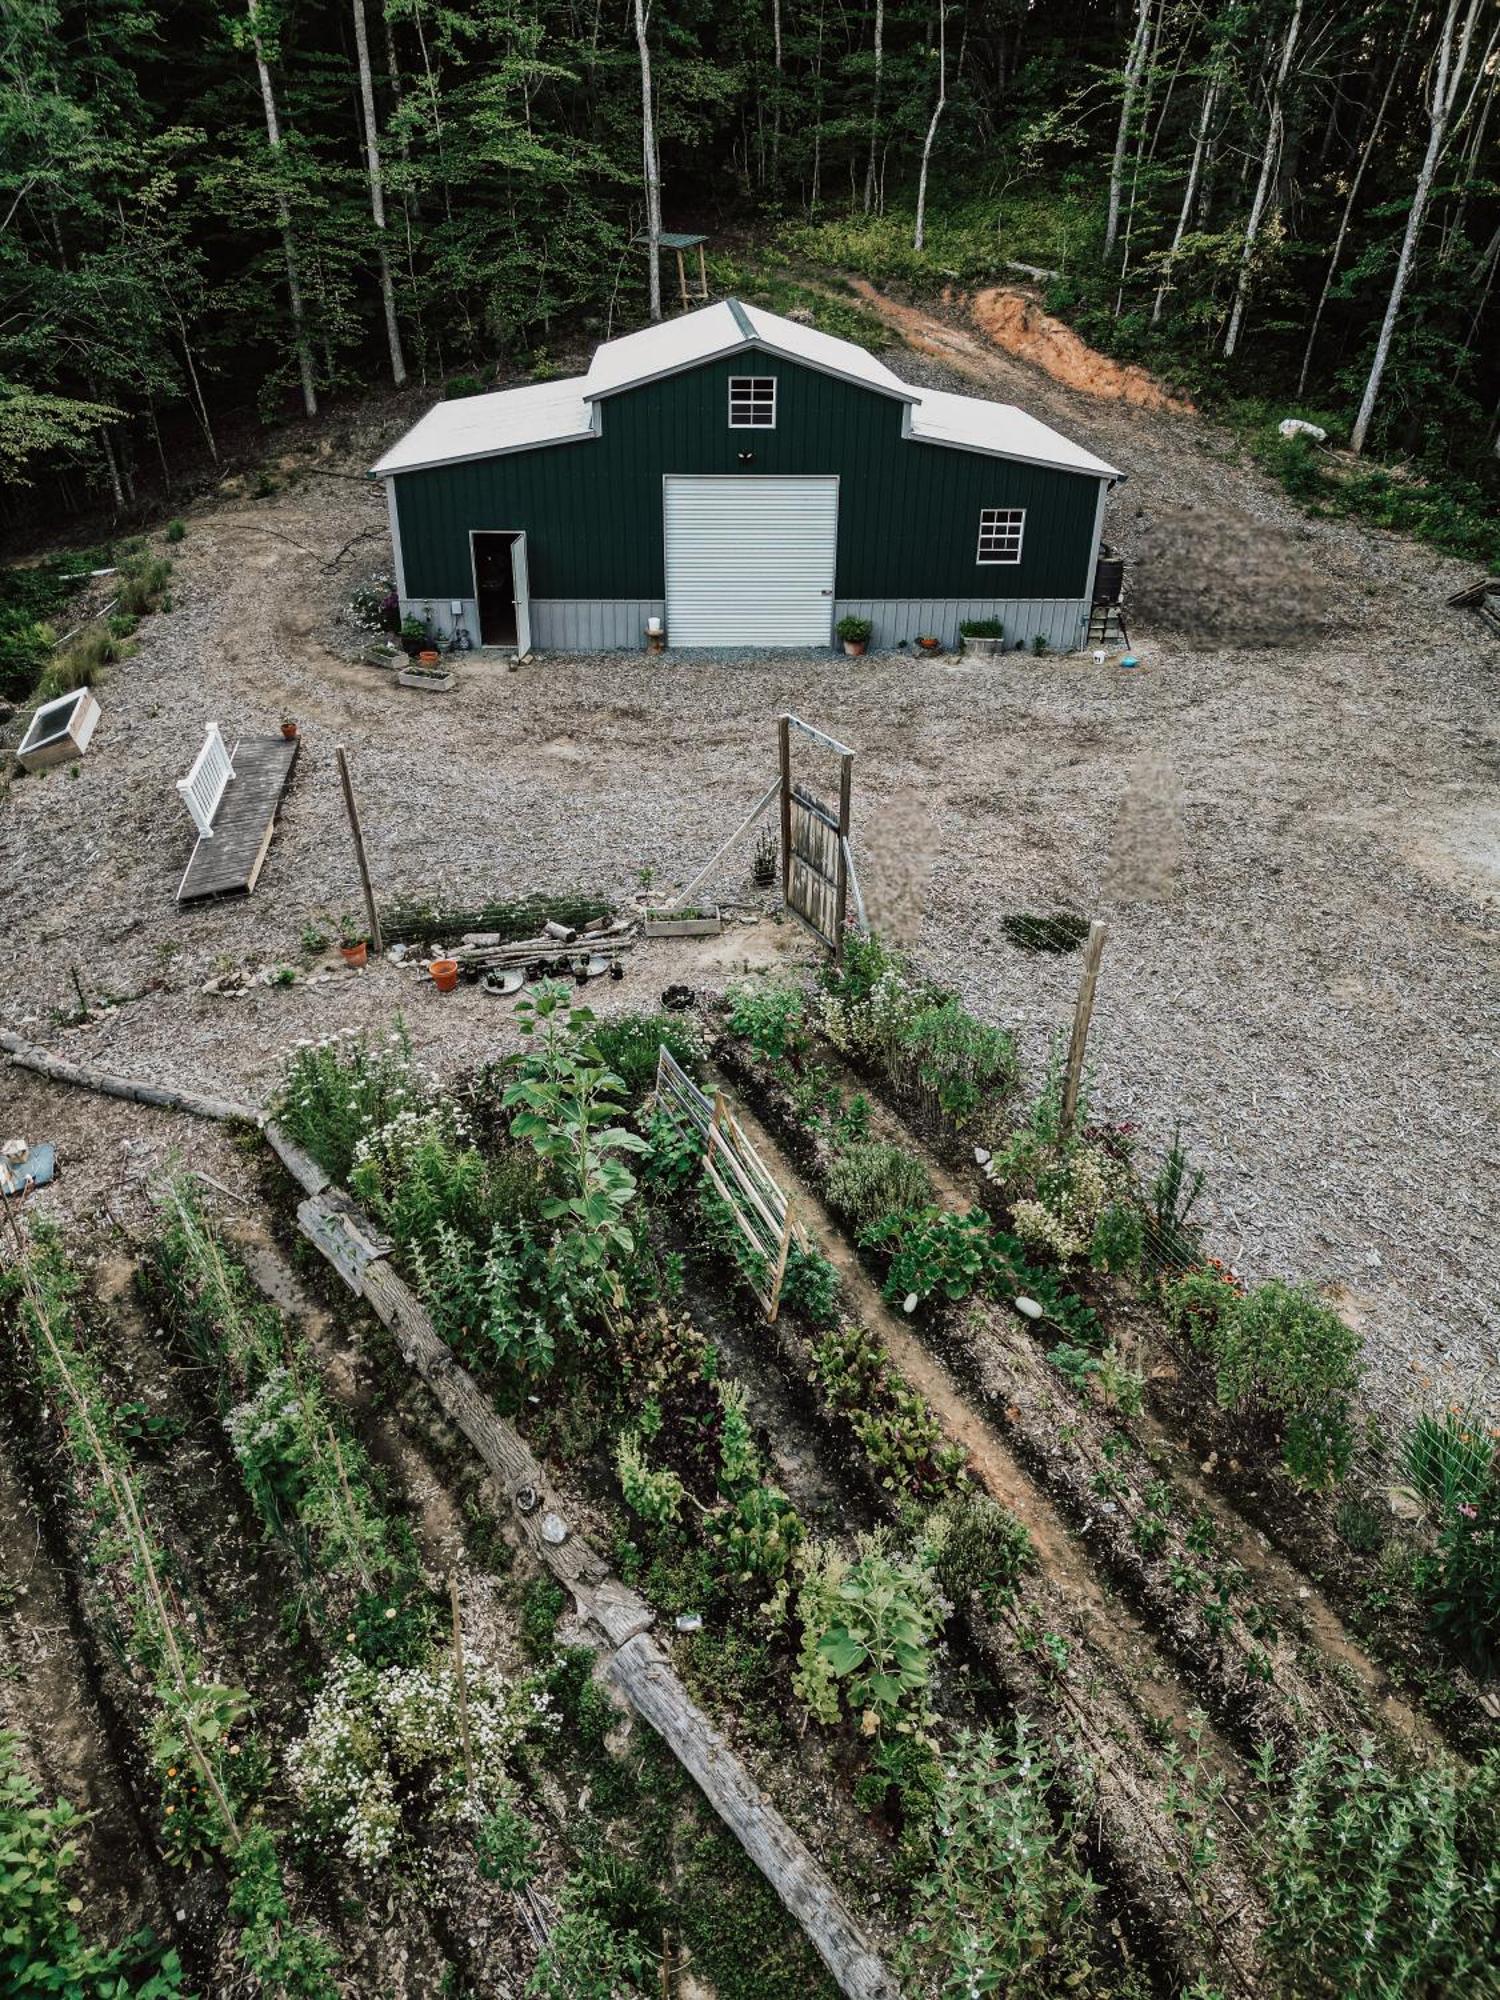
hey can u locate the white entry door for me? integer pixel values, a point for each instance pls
(522, 582)
(750, 560)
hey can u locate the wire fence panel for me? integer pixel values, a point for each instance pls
(737, 1173)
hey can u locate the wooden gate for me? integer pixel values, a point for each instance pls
(815, 872)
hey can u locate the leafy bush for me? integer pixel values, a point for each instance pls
(42, 1949)
(934, 1250)
(288, 1962)
(1453, 1461)
(771, 1019)
(868, 1626)
(1382, 1883)
(1005, 1903)
(342, 1089)
(898, 1433)
(977, 1547)
(629, 1044)
(1284, 1353)
(1119, 1238)
(811, 1284)
(176, 530)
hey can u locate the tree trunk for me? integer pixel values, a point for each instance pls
(284, 223)
(1275, 127)
(1134, 63)
(1447, 81)
(1353, 195)
(1189, 194)
(377, 193)
(776, 96)
(870, 172)
(920, 238)
(651, 163)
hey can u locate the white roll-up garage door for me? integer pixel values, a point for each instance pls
(750, 560)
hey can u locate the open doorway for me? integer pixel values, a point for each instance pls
(495, 588)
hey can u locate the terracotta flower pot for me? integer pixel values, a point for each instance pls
(855, 647)
(928, 645)
(429, 656)
(289, 730)
(355, 954)
(444, 974)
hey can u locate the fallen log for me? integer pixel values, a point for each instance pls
(27, 1055)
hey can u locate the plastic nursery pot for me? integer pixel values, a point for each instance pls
(355, 954)
(444, 974)
(854, 647)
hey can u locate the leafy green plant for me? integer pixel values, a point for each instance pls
(1119, 1239)
(1380, 1881)
(811, 1284)
(289, 1961)
(934, 1250)
(507, 1846)
(874, 1179)
(899, 1435)
(176, 530)
(771, 1017)
(977, 1546)
(341, 1089)
(1174, 1239)
(42, 1948)
(876, 1644)
(1005, 1903)
(630, 1045)
(1284, 1351)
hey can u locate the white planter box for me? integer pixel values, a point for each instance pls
(410, 677)
(667, 926)
(59, 730)
(983, 649)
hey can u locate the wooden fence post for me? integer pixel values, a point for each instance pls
(784, 746)
(1082, 1014)
(377, 943)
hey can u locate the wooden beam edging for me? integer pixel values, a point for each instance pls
(637, 1664)
(27, 1055)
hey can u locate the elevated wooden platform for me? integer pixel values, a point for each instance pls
(228, 863)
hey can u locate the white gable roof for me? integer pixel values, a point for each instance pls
(560, 412)
(722, 329)
(1000, 428)
(484, 426)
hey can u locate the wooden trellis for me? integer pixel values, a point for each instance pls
(762, 1213)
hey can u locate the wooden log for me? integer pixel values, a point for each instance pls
(27, 1055)
(636, 1663)
(643, 1674)
(299, 1163)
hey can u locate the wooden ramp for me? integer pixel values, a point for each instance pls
(227, 862)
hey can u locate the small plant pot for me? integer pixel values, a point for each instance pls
(289, 731)
(855, 648)
(355, 954)
(929, 645)
(429, 657)
(444, 974)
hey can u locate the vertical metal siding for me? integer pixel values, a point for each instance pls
(908, 513)
(750, 562)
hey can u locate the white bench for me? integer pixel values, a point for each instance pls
(203, 787)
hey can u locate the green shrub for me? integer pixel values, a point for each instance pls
(812, 1284)
(507, 1846)
(933, 1250)
(771, 1019)
(630, 1044)
(978, 1547)
(142, 584)
(1119, 1238)
(176, 530)
(462, 385)
(1281, 1352)
(1382, 1883)
(42, 1949)
(1005, 1903)
(1449, 1458)
(870, 1180)
(340, 1090)
(871, 1624)
(982, 628)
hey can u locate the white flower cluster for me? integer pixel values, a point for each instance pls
(263, 1426)
(383, 1740)
(877, 1022)
(1064, 1222)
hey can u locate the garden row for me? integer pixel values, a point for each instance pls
(559, 1277)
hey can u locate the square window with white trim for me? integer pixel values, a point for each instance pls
(1000, 530)
(752, 402)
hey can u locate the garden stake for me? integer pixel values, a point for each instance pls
(459, 1675)
(1082, 1014)
(341, 756)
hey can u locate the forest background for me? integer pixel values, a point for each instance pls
(214, 217)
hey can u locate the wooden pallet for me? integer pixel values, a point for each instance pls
(229, 862)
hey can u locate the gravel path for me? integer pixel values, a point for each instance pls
(1288, 815)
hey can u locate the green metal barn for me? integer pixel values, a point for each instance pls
(748, 481)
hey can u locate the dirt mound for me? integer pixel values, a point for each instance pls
(1220, 577)
(1019, 325)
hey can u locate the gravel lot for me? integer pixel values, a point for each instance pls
(1288, 815)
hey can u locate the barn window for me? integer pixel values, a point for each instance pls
(1000, 531)
(752, 402)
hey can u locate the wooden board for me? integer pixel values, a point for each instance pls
(229, 863)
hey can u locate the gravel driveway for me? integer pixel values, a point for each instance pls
(1288, 815)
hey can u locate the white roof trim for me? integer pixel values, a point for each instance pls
(567, 411)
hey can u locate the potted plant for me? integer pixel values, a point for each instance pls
(855, 633)
(289, 728)
(444, 973)
(414, 637)
(434, 677)
(983, 636)
(352, 942)
(928, 642)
